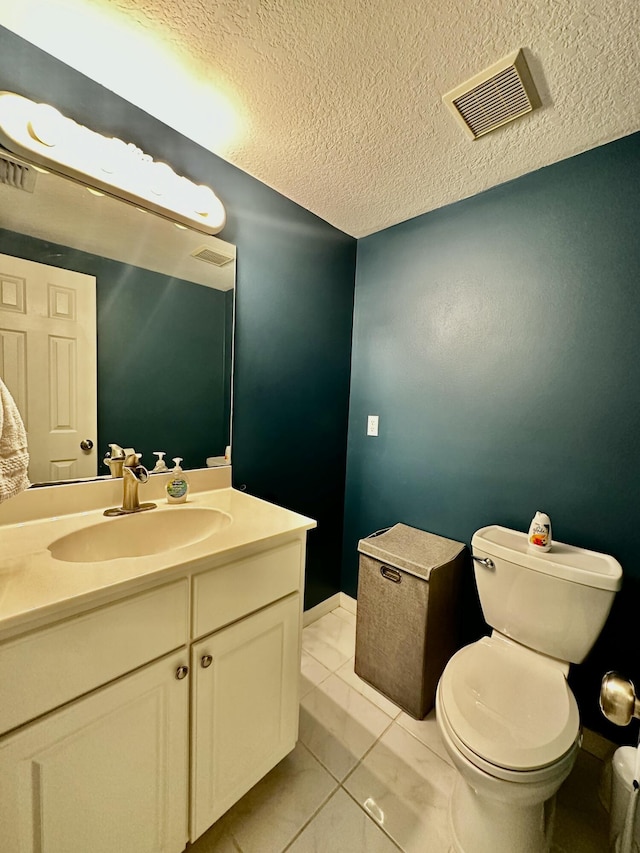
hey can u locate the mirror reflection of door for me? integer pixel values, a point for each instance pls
(48, 363)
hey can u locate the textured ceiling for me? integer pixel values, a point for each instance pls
(337, 103)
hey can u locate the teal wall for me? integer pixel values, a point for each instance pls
(149, 327)
(294, 307)
(498, 339)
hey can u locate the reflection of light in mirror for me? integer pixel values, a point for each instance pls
(148, 73)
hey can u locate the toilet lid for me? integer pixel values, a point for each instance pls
(508, 706)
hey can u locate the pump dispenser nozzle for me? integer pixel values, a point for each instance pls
(160, 465)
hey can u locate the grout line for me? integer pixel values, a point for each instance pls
(367, 751)
(316, 812)
(426, 745)
(317, 660)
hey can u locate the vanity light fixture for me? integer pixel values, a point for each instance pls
(107, 165)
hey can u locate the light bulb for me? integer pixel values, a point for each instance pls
(47, 125)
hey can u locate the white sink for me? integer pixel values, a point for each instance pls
(139, 534)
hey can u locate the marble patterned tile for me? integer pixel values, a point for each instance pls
(347, 673)
(330, 640)
(345, 614)
(342, 827)
(312, 673)
(406, 787)
(427, 733)
(339, 725)
(274, 811)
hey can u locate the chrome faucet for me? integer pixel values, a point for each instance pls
(133, 473)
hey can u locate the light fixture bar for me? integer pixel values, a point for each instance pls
(42, 135)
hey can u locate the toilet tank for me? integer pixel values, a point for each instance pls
(555, 602)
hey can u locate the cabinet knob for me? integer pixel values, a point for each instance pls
(182, 672)
(205, 661)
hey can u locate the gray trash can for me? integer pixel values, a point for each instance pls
(407, 615)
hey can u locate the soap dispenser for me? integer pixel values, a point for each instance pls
(177, 485)
(160, 465)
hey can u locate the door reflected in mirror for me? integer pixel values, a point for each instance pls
(162, 350)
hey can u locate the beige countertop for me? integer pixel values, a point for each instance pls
(36, 588)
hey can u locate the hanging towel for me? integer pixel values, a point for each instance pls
(14, 456)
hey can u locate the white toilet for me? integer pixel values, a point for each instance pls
(505, 712)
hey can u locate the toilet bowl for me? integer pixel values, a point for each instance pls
(511, 761)
(504, 709)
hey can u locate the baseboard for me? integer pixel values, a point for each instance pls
(597, 745)
(321, 609)
(340, 599)
(348, 603)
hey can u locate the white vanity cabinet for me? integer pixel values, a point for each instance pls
(133, 726)
(103, 774)
(244, 712)
(245, 707)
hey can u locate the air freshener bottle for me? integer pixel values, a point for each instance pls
(540, 532)
(177, 485)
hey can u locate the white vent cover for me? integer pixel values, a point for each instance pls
(218, 259)
(497, 95)
(16, 174)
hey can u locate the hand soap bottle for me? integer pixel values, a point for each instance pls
(540, 532)
(177, 485)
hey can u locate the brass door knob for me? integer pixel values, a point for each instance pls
(86, 444)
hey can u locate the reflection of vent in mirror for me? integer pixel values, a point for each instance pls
(498, 95)
(17, 174)
(218, 259)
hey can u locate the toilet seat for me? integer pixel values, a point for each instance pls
(510, 707)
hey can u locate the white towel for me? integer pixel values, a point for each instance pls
(14, 456)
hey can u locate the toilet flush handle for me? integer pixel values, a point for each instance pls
(487, 562)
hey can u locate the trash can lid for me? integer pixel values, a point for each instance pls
(415, 551)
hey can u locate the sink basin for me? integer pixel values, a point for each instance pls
(139, 534)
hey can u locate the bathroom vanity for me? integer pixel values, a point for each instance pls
(141, 696)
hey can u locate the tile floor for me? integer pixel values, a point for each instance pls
(367, 778)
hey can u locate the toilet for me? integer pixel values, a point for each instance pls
(504, 709)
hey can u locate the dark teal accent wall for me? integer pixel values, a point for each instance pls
(294, 307)
(149, 327)
(498, 339)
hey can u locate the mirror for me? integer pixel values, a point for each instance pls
(163, 345)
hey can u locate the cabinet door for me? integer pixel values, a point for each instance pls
(245, 707)
(106, 773)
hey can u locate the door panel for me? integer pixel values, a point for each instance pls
(48, 362)
(106, 773)
(245, 706)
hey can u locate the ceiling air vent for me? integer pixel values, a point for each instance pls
(218, 259)
(16, 174)
(498, 95)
